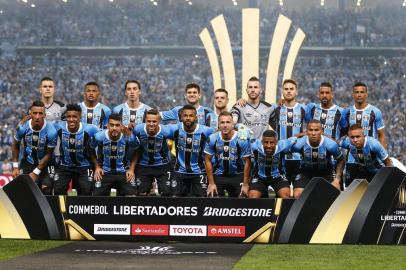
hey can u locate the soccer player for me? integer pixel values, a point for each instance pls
(288, 122)
(112, 149)
(329, 114)
(133, 110)
(153, 155)
(77, 156)
(367, 115)
(53, 108)
(39, 139)
(94, 112)
(269, 165)
(192, 95)
(366, 155)
(255, 114)
(317, 152)
(232, 160)
(220, 105)
(190, 139)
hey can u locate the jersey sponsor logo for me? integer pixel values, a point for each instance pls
(149, 229)
(112, 229)
(188, 230)
(226, 231)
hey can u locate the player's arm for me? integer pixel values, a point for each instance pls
(15, 150)
(211, 188)
(381, 137)
(246, 178)
(98, 170)
(339, 172)
(130, 173)
(42, 164)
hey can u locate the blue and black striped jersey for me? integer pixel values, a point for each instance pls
(129, 115)
(266, 165)
(154, 149)
(317, 158)
(189, 149)
(112, 155)
(228, 155)
(370, 118)
(36, 142)
(332, 120)
(98, 115)
(371, 156)
(74, 147)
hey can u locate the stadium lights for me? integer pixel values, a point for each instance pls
(235, 2)
(1, 11)
(281, 2)
(65, 1)
(322, 3)
(404, 3)
(25, 1)
(33, 5)
(359, 3)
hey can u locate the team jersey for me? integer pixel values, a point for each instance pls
(174, 115)
(266, 165)
(332, 120)
(255, 118)
(112, 155)
(189, 149)
(74, 147)
(98, 115)
(154, 149)
(213, 120)
(370, 118)
(228, 155)
(317, 158)
(36, 142)
(129, 115)
(371, 156)
(289, 122)
(55, 111)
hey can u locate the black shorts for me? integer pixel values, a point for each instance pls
(231, 184)
(81, 177)
(304, 177)
(354, 171)
(147, 174)
(261, 184)
(292, 169)
(117, 181)
(194, 185)
(45, 178)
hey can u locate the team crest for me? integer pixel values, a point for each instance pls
(35, 137)
(225, 148)
(359, 117)
(290, 114)
(132, 118)
(323, 116)
(360, 155)
(72, 140)
(89, 115)
(113, 147)
(188, 140)
(314, 154)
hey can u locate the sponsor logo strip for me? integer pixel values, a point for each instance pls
(188, 230)
(226, 231)
(112, 229)
(149, 229)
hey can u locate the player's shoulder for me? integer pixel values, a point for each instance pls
(146, 107)
(50, 127)
(104, 107)
(329, 142)
(374, 108)
(90, 128)
(59, 103)
(118, 107)
(266, 104)
(100, 135)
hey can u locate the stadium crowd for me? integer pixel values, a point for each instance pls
(122, 23)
